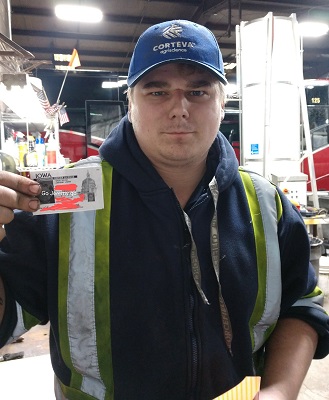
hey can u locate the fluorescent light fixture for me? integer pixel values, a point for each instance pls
(23, 100)
(68, 12)
(316, 82)
(111, 85)
(62, 57)
(313, 29)
(231, 65)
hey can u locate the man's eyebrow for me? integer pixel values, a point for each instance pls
(199, 83)
(155, 84)
(190, 84)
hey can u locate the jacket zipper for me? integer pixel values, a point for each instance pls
(194, 348)
(191, 310)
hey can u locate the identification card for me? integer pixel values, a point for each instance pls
(69, 189)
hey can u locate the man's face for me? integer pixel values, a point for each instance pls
(175, 112)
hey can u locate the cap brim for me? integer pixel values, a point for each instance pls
(132, 80)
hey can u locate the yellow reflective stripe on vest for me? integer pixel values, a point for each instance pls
(84, 299)
(264, 215)
(29, 320)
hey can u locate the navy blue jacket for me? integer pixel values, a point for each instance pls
(166, 343)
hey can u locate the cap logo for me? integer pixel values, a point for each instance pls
(173, 31)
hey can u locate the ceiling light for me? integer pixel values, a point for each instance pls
(230, 65)
(59, 57)
(316, 82)
(75, 13)
(111, 85)
(313, 29)
(17, 93)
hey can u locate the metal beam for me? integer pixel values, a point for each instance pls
(86, 36)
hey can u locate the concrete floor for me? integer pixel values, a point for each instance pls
(316, 383)
(315, 386)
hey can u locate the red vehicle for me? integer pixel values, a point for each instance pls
(320, 145)
(88, 127)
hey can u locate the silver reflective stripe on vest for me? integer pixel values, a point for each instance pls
(59, 395)
(266, 197)
(309, 302)
(20, 327)
(80, 303)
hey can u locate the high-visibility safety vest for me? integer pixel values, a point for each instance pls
(84, 292)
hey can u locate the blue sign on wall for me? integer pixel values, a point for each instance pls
(254, 149)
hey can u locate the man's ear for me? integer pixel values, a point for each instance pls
(222, 111)
(129, 112)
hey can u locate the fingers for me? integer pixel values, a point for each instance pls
(17, 192)
(19, 183)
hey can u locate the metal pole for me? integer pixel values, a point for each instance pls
(61, 89)
(305, 120)
(268, 94)
(5, 29)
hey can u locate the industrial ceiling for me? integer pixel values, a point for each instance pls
(107, 46)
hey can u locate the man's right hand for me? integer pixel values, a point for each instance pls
(17, 192)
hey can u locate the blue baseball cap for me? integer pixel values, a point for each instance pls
(176, 41)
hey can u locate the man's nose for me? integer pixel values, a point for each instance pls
(179, 105)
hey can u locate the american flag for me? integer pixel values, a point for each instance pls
(43, 99)
(51, 111)
(62, 115)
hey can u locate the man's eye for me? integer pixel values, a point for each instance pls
(159, 93)
(197, 93)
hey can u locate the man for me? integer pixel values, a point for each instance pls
(193, 276)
